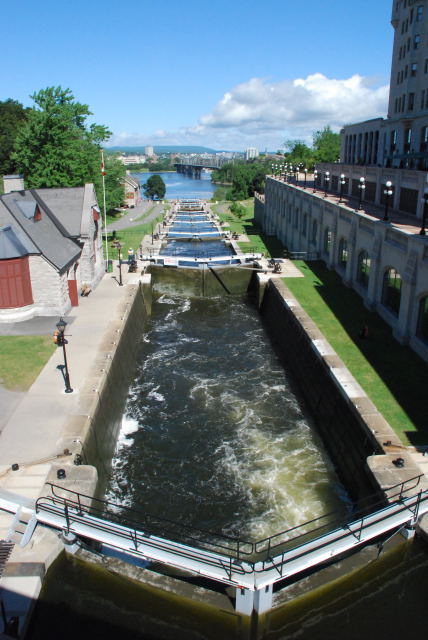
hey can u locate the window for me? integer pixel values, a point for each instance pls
(327, 240)
(296, 219)
(304, 225)
(419, 14)
(363, 269)
(314, 231)
(413, 69)
(411, 101)
(391, 290)
(411, 16)
(406, 71)
(408, 44)
(343, 253)
(422, 98)
(426, 65)
(424, 139)
(416, 41)
(422, 326)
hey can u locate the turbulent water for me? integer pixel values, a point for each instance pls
(213, 436)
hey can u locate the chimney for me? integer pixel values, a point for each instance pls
(13, 183)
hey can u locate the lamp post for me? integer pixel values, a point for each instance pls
(341, 182)
(119, 252)
(424, 214)
(326, 182)
(387, 192)
(305, 173)
(361, 187)
(61, 342)
(315, 179)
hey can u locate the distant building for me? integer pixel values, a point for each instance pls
(251, 152)
(149, 151)
(132, 190)
(50, 245)
(135, 159)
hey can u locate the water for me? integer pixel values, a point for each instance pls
(213, 436)
(179, 185)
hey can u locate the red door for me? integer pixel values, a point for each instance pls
(72, 292)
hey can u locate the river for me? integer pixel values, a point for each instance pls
(180, 185)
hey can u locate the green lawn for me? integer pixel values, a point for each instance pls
(259, 243)
(130, 238)
(393, 376)
(22, 358)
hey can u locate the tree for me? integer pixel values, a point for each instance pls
(115, 171)
(55, 148)
(326, 145)
(12, 117)
(154, 187)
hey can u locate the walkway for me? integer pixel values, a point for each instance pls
(141, 214)
(402, 221)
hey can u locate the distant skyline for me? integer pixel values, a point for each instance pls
(227, 75)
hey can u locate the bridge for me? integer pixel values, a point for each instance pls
(252, 568)
(193, 165)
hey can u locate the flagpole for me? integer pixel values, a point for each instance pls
(103, 173)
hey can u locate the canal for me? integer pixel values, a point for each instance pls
(213, 435)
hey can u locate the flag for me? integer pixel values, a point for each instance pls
(103, 172)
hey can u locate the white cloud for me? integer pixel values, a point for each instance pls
(264, 114)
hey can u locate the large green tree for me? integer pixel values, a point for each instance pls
(12, 117)
(326, 145)
(55, 147)
(154, 187)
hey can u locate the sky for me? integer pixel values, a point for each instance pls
(227, 74)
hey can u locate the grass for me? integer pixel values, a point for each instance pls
(131, 237)
(392, 375)
(259, 243)
(22, 358)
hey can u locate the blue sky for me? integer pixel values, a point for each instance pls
(226, 74)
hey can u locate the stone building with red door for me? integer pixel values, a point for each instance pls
(50, 246)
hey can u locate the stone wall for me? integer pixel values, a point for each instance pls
(349, 424)
(50, 288)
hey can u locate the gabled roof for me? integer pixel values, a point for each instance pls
(66, 205)
(46, 235)
(11, 245)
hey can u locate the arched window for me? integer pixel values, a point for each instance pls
(422, 326)
(304, 225)
(327, 240)
(343, 253)
(363, 269)
(314, 231)
(391, 290)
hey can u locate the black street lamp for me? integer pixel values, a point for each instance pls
(326, 182)
(341, 182)
(315, 180)
(361, 187)
(387, 192)
(119, 251)
(61, 342)
(305, 173)
(424, 214)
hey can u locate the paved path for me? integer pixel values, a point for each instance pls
(37, 419)
(142, 213)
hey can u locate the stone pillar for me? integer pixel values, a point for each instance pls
(402, 330)
(244, 601)
(350, 267)
(263, 599)
(374, 290)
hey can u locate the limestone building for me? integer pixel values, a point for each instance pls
(50, 245)
(366, 215)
